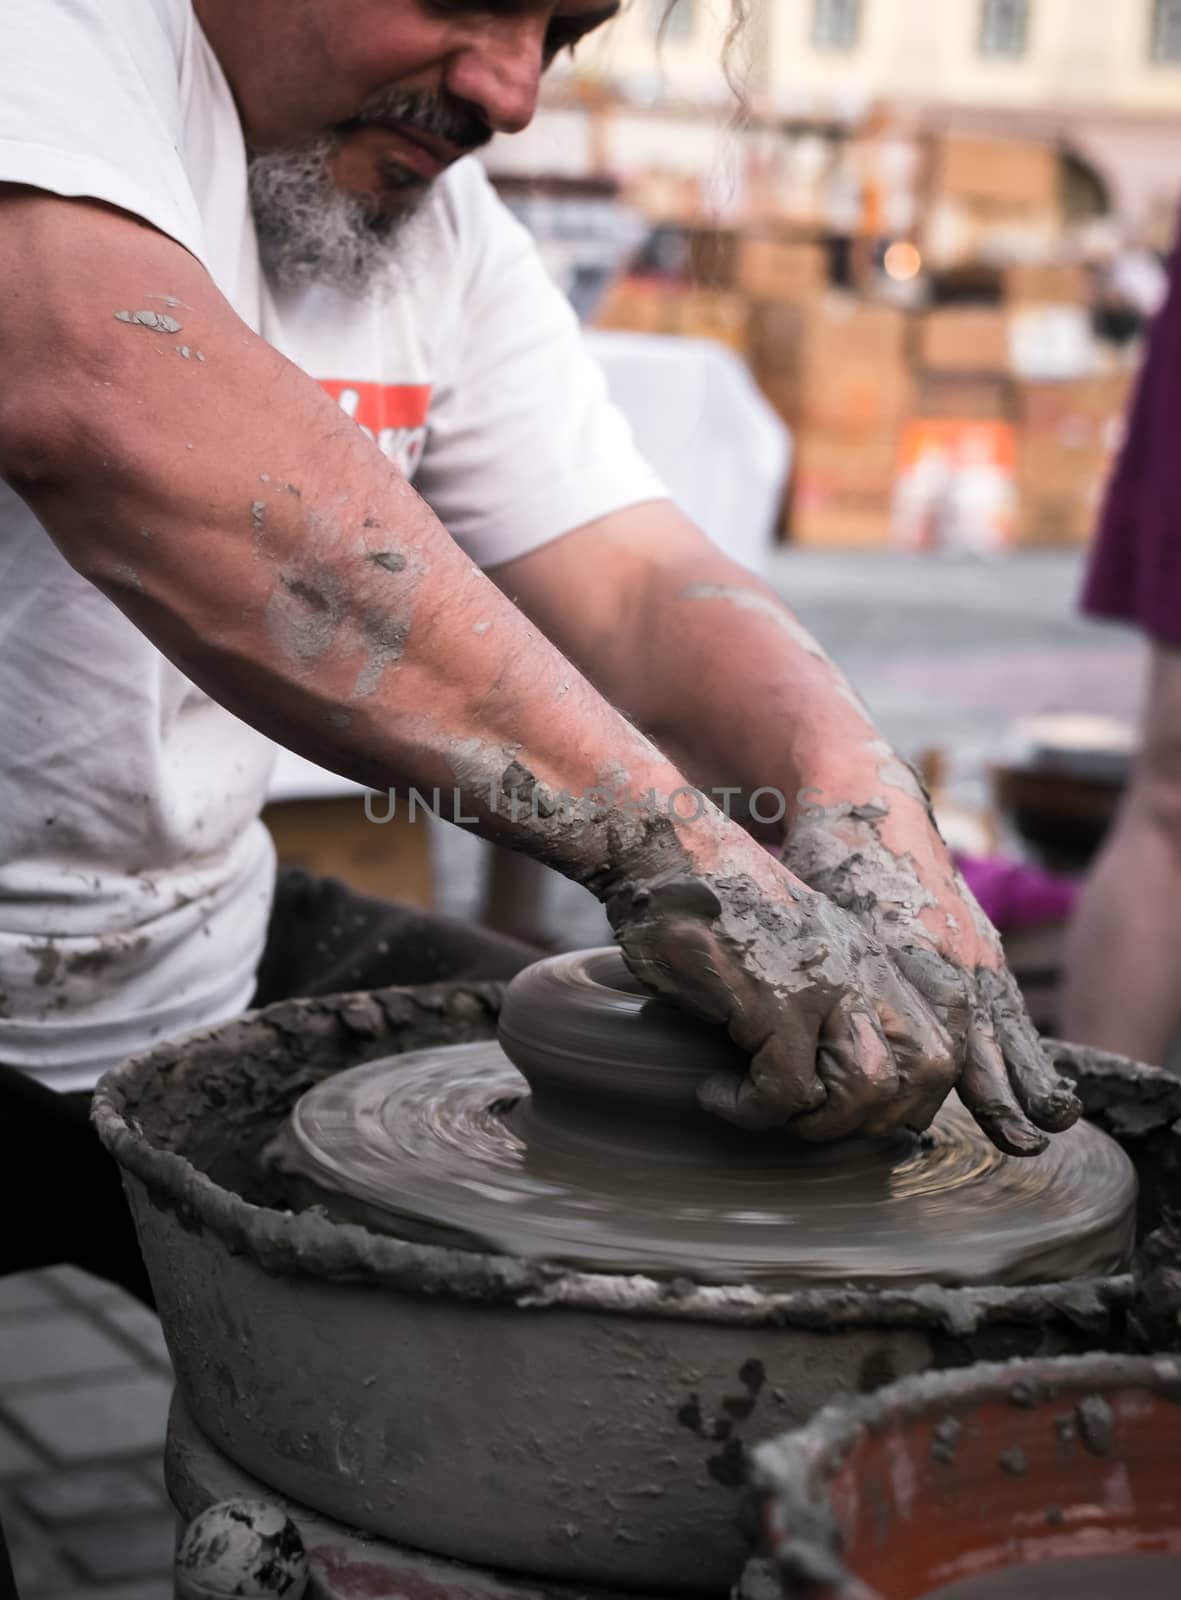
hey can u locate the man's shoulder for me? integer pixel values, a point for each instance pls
(175, 16)
(170, 20)
(87, 44)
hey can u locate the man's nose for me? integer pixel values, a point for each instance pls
(500, 72)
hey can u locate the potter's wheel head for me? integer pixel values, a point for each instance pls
(577, 1138)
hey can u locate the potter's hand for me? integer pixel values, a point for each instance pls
(886, 863)
(839, 1041)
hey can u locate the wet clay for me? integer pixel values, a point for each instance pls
(190, 1121)
(1135, 1577)
(601, 1157)
(515, 1413)
(842, 852)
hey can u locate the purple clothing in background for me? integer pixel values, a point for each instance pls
(1015, 895)
(1135, 569)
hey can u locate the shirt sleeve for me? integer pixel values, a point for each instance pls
(90, 106)
(523, 444)
(1135, 567)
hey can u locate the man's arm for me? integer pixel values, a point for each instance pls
(707, 660)
(721, 686)
(226, 505)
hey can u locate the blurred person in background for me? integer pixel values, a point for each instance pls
(1123, 971)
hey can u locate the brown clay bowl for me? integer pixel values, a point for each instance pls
(1064, 816)
(1028, 1478)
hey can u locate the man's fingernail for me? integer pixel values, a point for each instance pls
(717, 1094)
(813, 1097)
(1058, 1109)
(1018, 1138)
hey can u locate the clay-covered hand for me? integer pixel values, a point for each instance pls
(839, 1041)
(886, 863)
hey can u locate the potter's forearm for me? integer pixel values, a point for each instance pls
(266, 546)
(742, 695)
(347, 625)
(704, 656)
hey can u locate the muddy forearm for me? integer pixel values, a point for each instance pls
(774, 713)
(268, 548)
(768, 709)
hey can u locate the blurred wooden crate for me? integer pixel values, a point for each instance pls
(333, 836)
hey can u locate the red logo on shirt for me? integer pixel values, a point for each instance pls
(393, 414)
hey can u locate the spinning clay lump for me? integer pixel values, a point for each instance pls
(579, 1139)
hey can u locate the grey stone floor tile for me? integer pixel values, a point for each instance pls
(105, 1419)
(80, 1492)
(36, 1566)
(26, 1291)
(115, 1549)
(79, 1285)
(146, 1589)
(141, 1327)
(16, 1459)
(151, 1470)
(65, 1344)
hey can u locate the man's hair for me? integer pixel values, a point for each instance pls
(739, 17)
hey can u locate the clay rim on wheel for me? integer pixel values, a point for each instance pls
(279, 1241)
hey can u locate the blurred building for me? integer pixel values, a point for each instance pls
(1102, 77)
(932, 228)
(815, 55)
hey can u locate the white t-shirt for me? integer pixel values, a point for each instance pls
(135, 877)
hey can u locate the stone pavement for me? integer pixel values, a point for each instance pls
(945, 653)
(949, 652)
(84, 1390)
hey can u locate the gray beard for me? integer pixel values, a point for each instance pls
(312, 233)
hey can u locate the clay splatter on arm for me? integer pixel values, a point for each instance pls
(156, 321)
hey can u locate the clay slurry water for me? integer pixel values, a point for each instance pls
(1088, 1578)
(600, 1157)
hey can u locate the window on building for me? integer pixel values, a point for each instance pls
(673, 19)
(1166, 30)
(836, 24)
(1004, 27)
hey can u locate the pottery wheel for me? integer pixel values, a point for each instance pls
(578, 1138)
